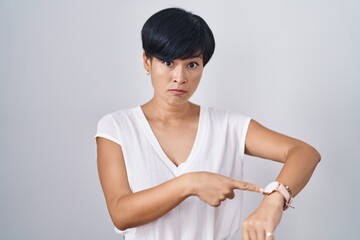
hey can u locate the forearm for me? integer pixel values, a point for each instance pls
(148, 205)
(145, 206)
(300, 162)
(299, 166)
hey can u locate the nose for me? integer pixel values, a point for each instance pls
(179, 75)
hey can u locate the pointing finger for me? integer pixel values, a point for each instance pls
(247, 186)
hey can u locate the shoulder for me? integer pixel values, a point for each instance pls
(112, 125)
(117, 120)
(118, 116)
(225, 115)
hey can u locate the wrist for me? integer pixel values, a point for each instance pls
(188, 184)
(275, 199)
(280, 188)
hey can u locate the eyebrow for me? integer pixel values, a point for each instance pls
(193, 58)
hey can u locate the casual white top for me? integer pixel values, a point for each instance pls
(218, 148)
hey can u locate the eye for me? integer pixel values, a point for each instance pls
(168, 63)
(193, 65)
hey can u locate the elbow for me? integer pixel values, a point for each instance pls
(318, 156)
(307, 152)
(119, 218)
(119, 223)
(121, 227)
(315, 155)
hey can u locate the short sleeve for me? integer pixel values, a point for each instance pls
(243, 129)
(107, 128)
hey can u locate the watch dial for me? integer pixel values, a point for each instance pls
(271, 187)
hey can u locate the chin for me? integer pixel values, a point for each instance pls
(178, 102)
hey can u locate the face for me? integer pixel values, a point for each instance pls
(174, 81)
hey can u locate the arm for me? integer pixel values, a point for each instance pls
(299, 159)
(128, 209)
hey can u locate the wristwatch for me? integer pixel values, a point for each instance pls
(282, 189)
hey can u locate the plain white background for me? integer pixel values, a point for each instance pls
(291, 65)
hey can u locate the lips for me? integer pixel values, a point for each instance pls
(177, 91)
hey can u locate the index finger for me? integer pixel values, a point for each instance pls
(247, 186)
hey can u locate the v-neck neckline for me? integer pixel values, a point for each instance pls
(177, 170)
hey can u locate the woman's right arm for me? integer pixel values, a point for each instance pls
(128, 209)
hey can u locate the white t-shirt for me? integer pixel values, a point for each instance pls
(218, 148)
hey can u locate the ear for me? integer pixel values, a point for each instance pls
(147, 62)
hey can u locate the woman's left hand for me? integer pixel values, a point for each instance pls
(261, 224)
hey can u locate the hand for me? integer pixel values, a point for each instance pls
(264, 219)
(214, 188)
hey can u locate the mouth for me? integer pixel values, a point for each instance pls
(177, 91)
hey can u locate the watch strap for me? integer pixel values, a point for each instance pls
(283, 189)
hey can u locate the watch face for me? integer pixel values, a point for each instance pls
(271, 187)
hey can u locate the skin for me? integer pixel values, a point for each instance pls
(174, 121)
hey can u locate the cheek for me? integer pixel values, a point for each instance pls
(196, 78)
(161, 75)
(159, 82)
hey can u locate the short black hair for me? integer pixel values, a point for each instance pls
(174, 33)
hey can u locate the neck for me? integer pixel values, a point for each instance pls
(155, 110)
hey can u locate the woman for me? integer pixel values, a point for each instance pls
(166, 167)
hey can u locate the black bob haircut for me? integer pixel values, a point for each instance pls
(174, 33)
